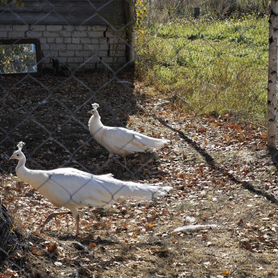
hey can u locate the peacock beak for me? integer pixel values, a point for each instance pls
(12, 157)
(92, 111)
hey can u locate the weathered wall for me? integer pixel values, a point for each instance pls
(74, 31)
(74, 45)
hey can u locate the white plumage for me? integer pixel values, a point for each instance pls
(72, 188)
(119, 140)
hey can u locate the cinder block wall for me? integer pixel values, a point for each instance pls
(74, 46)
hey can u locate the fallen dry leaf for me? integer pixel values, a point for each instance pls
(51, 247)
(37, 251)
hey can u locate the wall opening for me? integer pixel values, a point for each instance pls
(20, 56)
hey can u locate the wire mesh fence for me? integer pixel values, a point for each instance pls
(89, 50)
(6, 227)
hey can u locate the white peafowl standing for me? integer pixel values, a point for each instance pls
(119, 140)
(73, 189)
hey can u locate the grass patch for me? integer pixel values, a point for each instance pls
(211, 66)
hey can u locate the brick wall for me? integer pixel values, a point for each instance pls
(74, 45)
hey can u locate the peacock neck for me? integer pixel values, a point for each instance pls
(33, 177)
(21, 170)
(20, 164)
(95, 122)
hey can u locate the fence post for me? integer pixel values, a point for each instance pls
(130, 21)
(149, 12)
(272, 76)
(197, 12)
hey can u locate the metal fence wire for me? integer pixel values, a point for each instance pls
(66, 99)
(49, 111)
(6, 231)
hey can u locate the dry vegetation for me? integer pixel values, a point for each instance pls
(210, 66)
(207, 162)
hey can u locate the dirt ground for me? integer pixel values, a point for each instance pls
(220, 172)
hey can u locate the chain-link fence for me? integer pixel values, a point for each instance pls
(6, 227)
(86, 52)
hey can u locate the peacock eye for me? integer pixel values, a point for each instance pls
(17, 155)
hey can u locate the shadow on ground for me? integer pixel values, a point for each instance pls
(50, 114)
(212, 163)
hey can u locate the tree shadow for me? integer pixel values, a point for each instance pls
(213, 165)
(136, 166)
(274, 156)
(50, 114)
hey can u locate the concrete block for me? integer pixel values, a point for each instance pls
(65, 34)
(6, 27)
(66, 53)
(91, 59)
(95, 34)
(117, 53)
(34, 34)
(75, 60)
(85, 40)
(3, 34)
(118, 47)
(74, 46)
(90, 47)
(68, 28)
(50, 40)
(57, 46)
(83, 53)
(81, 28)
(51, 53)
(102, 53)
(79, 34)
(63, 59)
(43, 40)
(98, 28)
(20, 28)
(45, 46)
(67, 40)
(15, 34)
(54, 27)
(116, 40)
(51, 34)
(75, 40)
(59, 40)
(38, 28)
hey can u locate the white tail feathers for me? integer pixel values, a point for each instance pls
(151, 143)
(162, 191)
(141, 191)
(159, 143)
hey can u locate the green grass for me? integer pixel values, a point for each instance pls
(214, 66)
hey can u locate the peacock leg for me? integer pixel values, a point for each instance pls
(50, 216)
(125, 161)
(77, 218)
(110, 157)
